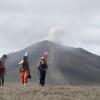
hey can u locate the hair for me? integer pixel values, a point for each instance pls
(4, 56)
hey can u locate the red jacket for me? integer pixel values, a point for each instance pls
(2, 69)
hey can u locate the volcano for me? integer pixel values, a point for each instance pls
(67, 65)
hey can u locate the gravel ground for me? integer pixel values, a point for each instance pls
(49, 92)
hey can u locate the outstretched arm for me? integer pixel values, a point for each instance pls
(37, 69)
(20, 62)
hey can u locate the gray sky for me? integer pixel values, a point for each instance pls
(24, 22)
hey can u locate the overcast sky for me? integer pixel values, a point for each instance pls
(24, 22)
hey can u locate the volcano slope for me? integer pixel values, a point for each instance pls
(67, 65)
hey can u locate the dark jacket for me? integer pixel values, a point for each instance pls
(43, 65)
(25, 66)
(2, 69)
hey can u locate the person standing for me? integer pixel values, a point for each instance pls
(24, 71)
(41, 69)
(2, 69)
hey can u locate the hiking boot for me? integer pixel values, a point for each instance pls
(22, 85)
(25, 84)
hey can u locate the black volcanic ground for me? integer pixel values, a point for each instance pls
(67, 65)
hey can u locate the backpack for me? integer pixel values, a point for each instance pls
(42, 66)
(25, 63)
(25, 66)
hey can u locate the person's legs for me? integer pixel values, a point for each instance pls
(43, 77)
(22, 78)
(2, 79)
(40, 77)
(26, 77)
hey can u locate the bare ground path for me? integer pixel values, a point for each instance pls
(49, 92)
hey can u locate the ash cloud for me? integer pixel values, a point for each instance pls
(56, 35)
(24, 22)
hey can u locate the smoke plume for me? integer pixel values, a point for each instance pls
(56, 35)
